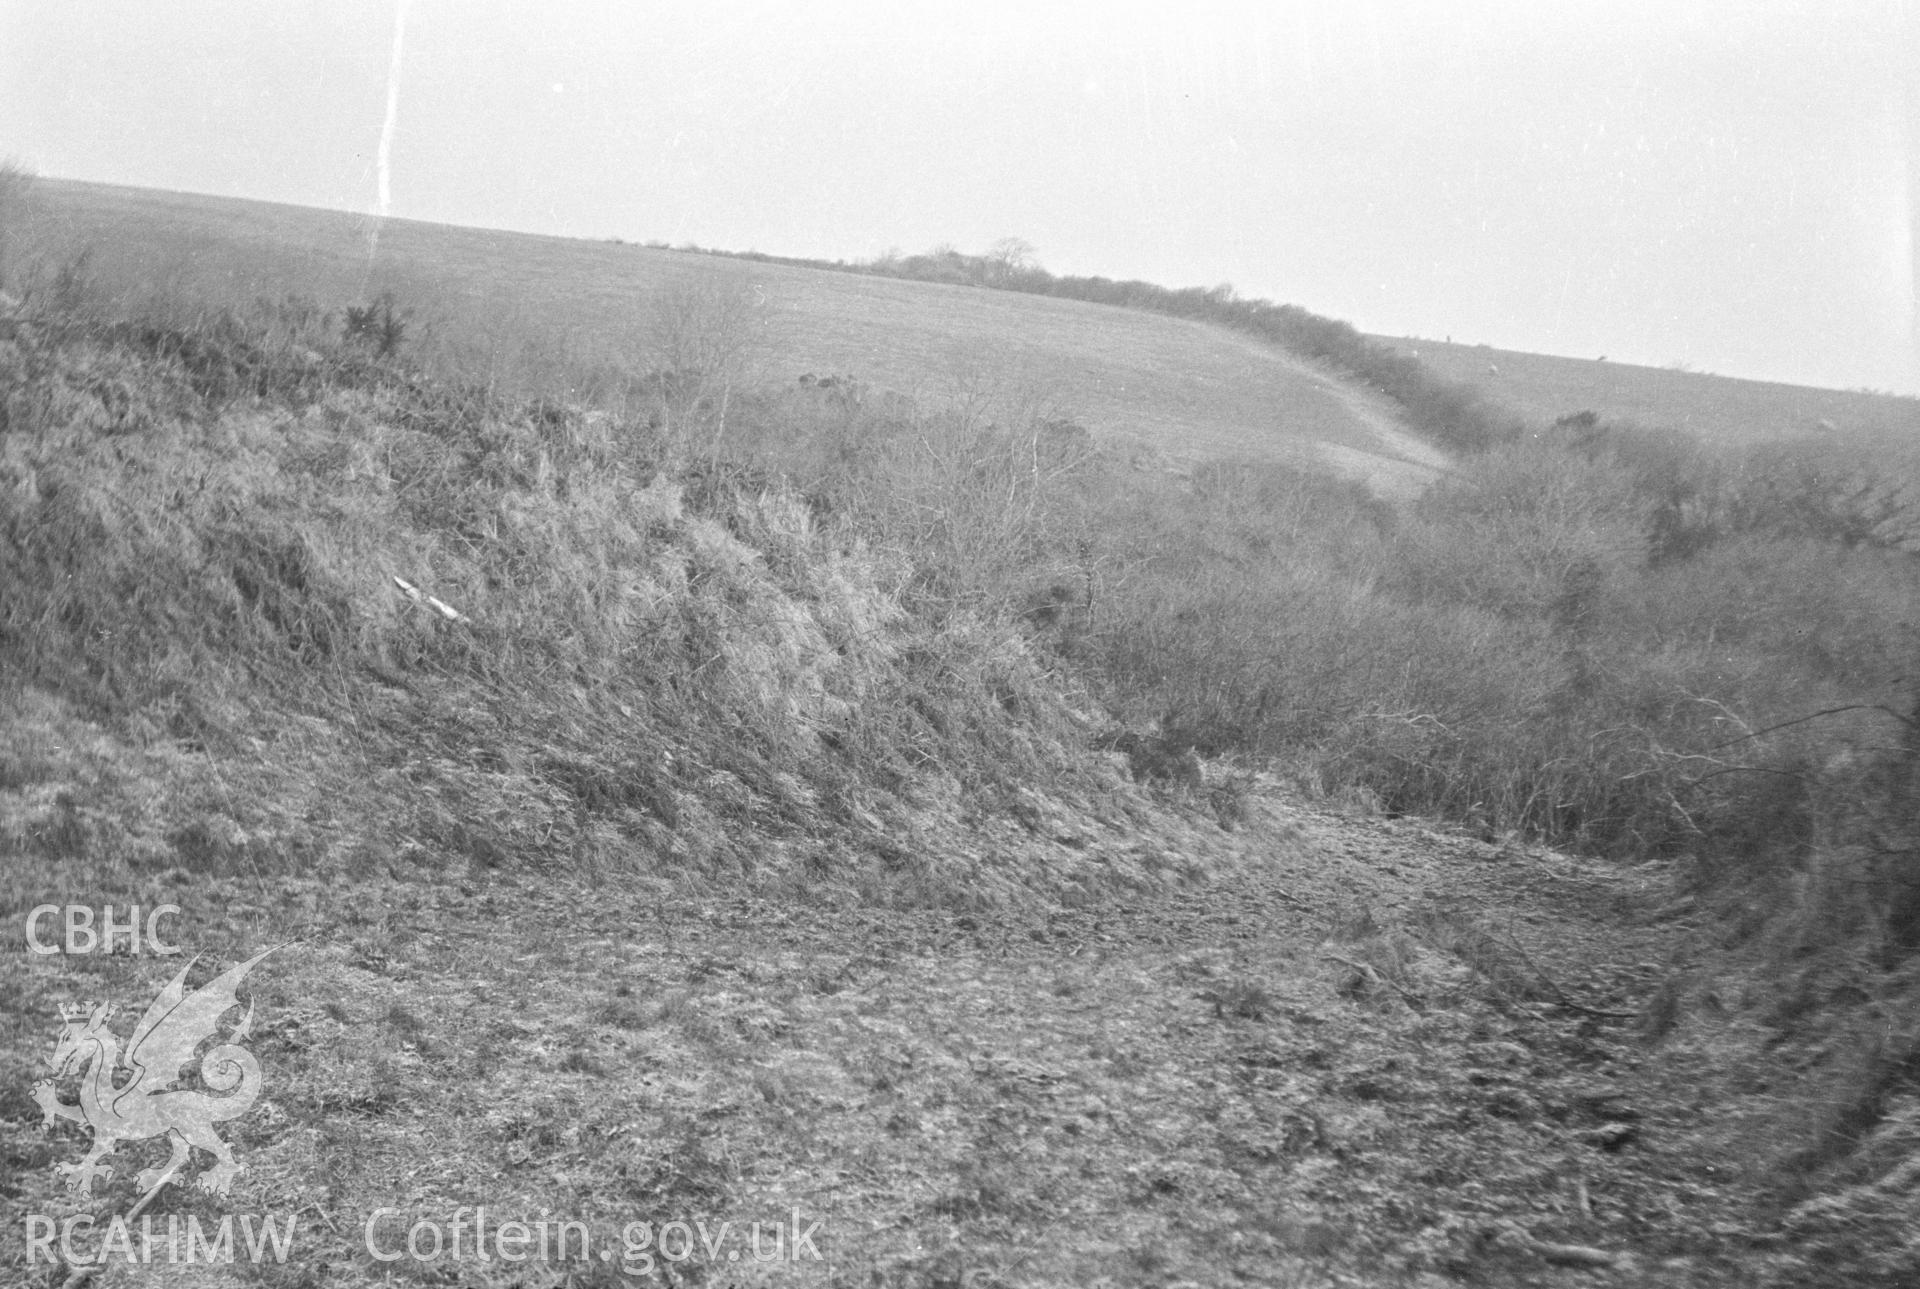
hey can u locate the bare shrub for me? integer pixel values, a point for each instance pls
(708, 339)
(1528, 529)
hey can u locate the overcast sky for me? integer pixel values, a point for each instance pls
(1723, 183)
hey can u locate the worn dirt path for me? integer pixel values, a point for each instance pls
(1376, 1053)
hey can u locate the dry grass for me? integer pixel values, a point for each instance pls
(18, 186)
(676, 673)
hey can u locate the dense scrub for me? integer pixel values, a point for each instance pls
(1609, 639)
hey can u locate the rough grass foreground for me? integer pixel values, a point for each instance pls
(331, 620)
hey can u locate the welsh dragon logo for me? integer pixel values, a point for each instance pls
(148, 1104)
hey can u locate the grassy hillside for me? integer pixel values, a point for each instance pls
(722, 793)
(641, 658)
(536, 313)
(1558, 639)
(1722, 409)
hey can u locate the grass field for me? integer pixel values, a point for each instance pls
(1724, 409)
(511, 304)
(518, 307)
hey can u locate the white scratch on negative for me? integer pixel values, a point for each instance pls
(384, 162)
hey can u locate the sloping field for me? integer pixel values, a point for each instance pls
(1543, 388)
(1183, 388)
